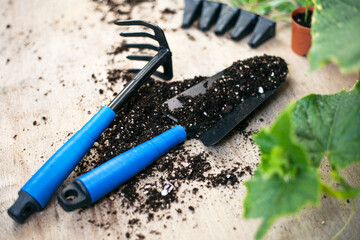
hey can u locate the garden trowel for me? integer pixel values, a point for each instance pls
(90, 187)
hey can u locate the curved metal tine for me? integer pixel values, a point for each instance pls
(139, 57)
(133, 70)
(142, 46)
(138, 34)
(159, 34)
(134, 23)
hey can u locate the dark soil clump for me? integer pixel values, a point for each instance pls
(168, 11)
(119, 49)
(120, 9)
(244, 79)
(300, 19)
(159, 185)
(116, 74)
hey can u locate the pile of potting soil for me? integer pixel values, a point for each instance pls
(142, 118)
(243, 79)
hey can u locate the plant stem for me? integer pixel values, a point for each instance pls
(347, 222)
(306, 10)
(351, 193)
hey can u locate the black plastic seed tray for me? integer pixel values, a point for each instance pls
(225, 17)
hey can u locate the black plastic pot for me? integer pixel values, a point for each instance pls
(192, 12)
(264, 30)
(244, 25)
(209, 14)
(227, 19)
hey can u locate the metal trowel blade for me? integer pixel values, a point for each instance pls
(228, 121)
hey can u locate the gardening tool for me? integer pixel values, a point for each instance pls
(35, 194)
(90, 187)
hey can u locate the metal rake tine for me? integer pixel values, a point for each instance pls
(138, 34)
(139, 57)
(133, 70)
(134, 23)
(158, 32)
(142, 46)
(162, 58)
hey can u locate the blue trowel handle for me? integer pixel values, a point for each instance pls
(95, 184)
(34, 195)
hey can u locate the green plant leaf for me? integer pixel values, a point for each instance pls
(329, 125)
(335, 34)
(271, 198)
(287, 178)
(266, 7)
(302, 3)
(263, 9)
(284, 6)
(285, 181)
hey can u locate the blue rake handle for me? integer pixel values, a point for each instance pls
(35, 194)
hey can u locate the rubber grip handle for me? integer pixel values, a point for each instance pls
(44, 183)
(118, 170)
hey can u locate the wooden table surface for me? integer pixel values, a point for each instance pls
(48, 52)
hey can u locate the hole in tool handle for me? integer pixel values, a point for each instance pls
(74, 196)
(71, 195)
(24, 206)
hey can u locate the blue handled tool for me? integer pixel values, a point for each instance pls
(95, 184)
(35, 194)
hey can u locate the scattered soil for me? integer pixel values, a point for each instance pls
(119, 49)
(166, 181)
(244, 79)
(119, 9)
(300, 19)
(190, 37)
(168, 11)
(114, 75)
(142, 115)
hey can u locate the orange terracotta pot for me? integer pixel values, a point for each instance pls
(300, 35)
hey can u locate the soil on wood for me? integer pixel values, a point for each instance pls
(168, 11)
(120, 9)
(300, 19)
(119, 49)
(244, 79)
(159, 185)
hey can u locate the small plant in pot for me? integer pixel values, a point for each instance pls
(301, 29)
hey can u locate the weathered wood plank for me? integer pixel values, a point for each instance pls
(54, 47)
